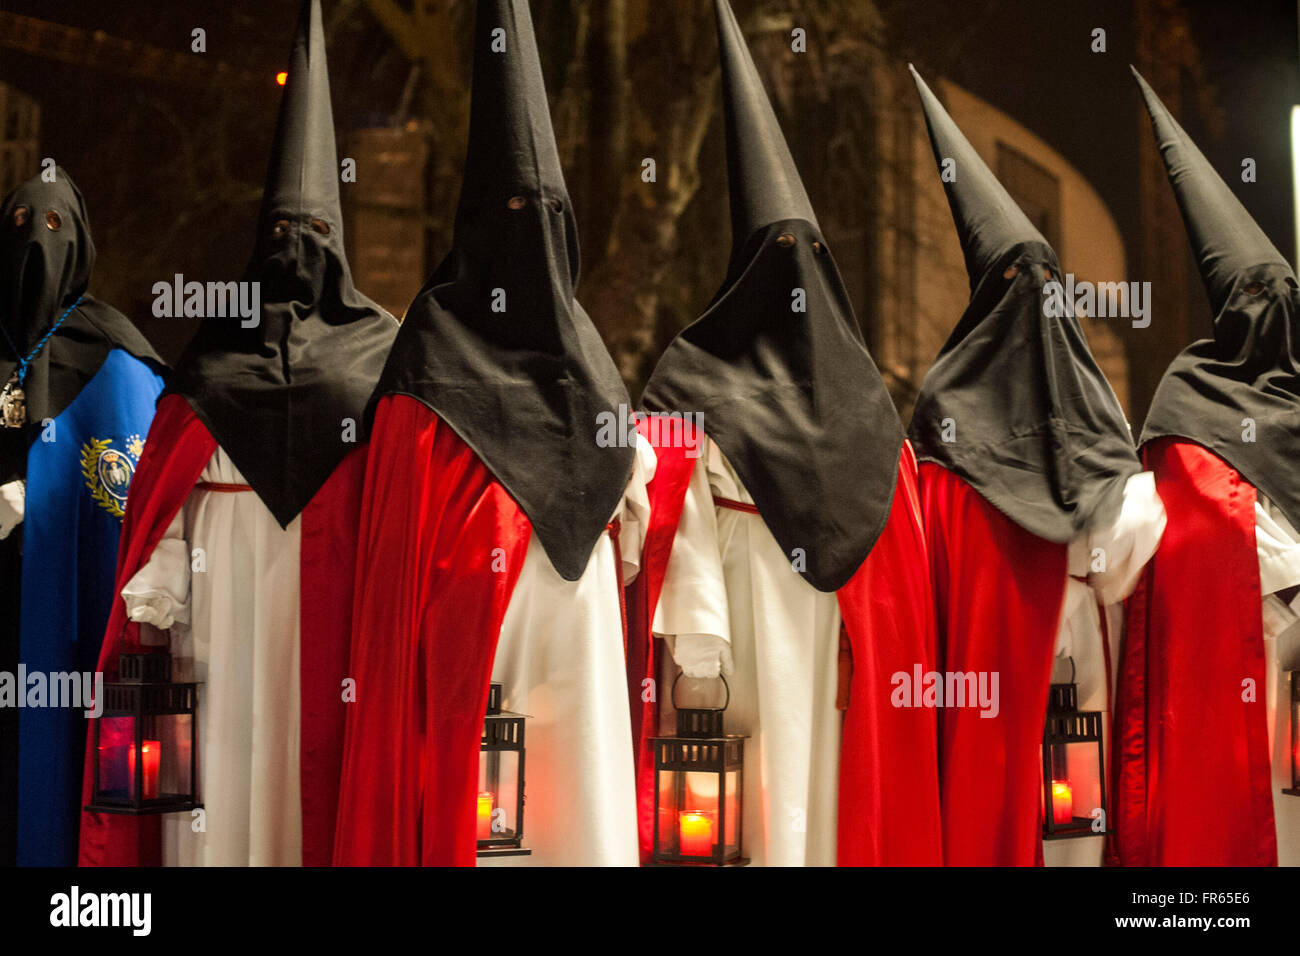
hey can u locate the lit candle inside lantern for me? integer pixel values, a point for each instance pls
(485, 815)
(152, 761)
(696, 830)
(1062, 802)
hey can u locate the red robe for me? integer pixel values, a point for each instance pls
(1191, 764)
(440, 549)
(888, 790)
(998, 591)
(177, 449)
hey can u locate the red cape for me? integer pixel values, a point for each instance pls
(440, 549)
(1191, 759)
(998, 591)
(889, 796)
(177, 449)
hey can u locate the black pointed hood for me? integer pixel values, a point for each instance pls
(46, 259)
(763, 184)
(989, 222)
(1015, 403)
(302, 175)
(495, 343)
(792, 398)
(286, 398)
(1237, 393)
(1225, 238)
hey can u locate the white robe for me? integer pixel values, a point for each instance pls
(731, 598)
(1278, 547)
(560, 660)
(1126, 545)
(732, 601)
(234, 628)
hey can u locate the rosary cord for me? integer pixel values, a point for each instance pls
(24, 362)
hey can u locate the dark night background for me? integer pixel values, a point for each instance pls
(172, 162)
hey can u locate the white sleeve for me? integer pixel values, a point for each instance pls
(159, 593)
(692, 615)
(634, 513)
(1277, 545)
(13, 500)
(1129, 542)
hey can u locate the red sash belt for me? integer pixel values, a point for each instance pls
(735, 505)
(220, 486)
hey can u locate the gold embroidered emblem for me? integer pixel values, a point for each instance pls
(108, 471)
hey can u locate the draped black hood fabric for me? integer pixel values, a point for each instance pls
(276, 395)
(793, 399)
(46, 259)
(1250, 369)
(495, 343)
(1035, 427)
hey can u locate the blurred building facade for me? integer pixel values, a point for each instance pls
(855, 126)
(882, 203)
(919, 288)
(20, 135)
(637, 79)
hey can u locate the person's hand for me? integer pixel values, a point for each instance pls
(702, 655)
(13, 499)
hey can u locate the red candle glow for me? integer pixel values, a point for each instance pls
(152, 761)
(1062, 802)
(485, 815)
(696, 831)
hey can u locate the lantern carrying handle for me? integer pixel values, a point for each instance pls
(672, 694)
(1071, 668)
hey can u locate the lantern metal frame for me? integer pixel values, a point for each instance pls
(1294, 789)
(503, 732)
(701, 745)
(144, 691)
(1067, 725)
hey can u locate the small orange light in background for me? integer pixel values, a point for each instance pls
(281, 77)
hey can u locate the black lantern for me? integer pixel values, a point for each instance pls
(699, 778)
(500, 803)
(1294, 789)
(1074, 771)
(146, 743)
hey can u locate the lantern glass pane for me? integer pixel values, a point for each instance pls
(498, 788)
(701, 792)
(733, 813)
(116, 738)
(671, 803)
(174, 733)
(164, 740)
(1075, 787)
(1295, 730)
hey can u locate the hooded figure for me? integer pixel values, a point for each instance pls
(1037, 512)
(787, 552)
(501, 485)
(242, 535)
(79, 384)
(1223, 439)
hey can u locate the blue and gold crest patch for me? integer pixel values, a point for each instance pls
(108, 471)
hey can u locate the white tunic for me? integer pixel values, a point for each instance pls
(1123, 548)
(732, 599)
(560, 660)
(1278, 546)
(234, 627)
